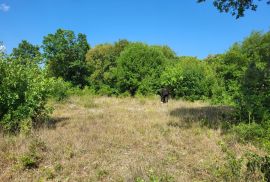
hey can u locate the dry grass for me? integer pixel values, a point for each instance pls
(113, 139)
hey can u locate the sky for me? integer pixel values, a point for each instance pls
(189, 28)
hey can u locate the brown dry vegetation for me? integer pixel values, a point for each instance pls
(114, 139)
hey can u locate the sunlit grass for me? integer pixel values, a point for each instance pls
(119, 139)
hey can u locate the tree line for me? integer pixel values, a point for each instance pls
(31, 74)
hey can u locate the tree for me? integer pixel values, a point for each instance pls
(190, 79)
(139, 68)
(27, 52)
(167, 51)
(65, 56)
(235, 7)
(101, 61)
(232, 69)
(256, 82)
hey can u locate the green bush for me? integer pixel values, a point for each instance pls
(81, 92)
(32, 157)
(60, 89)
(29, 160)
(258, 134)
(254, 99)
(101, 62)
(189, 79)
(107, 91)
(24, 90)
(249, 132)
(139, 68)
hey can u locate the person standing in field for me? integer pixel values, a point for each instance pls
(164, 95)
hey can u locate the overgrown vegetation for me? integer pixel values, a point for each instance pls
(239, 79)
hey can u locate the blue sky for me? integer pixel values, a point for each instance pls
(189, 28)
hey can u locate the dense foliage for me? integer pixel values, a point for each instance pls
(256, 83)
(245, 71)
(235, 7)
(189, 78)
(239, 78)
(139, 68)
(26, 52)
(65, 56)
(24, 90)
(101, 61)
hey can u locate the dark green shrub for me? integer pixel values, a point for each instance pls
(255, 86)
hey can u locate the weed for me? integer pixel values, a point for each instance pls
(32, 157)
(58, 167)
(48, 173)
(102, 173)
(29, 160)
(152, 176)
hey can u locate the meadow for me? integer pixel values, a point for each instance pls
(95, 138)
(71, 112)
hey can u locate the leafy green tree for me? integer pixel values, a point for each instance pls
(65, 56)
(167, 52)
(235, 7)
(190, 79)
(256, 83)
(101, 61)
(119, 46)
(139, 68)
(232, 69)
(26, 52)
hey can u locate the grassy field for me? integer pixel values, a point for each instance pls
(123, 139)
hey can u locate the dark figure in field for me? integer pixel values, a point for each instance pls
(164, 94)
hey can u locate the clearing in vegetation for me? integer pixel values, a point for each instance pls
(126, 139)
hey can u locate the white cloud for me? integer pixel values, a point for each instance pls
(4, 7)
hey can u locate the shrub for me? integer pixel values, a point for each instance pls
(259, 165)
(81, 92)
(60, 89)
(190, 79)
(29, 160)
(259, 134)
(32, 157)
(249, 132)
(24, 90)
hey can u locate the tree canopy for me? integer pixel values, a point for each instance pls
(65, 54)
(27, 52)
(235, 7)
(139, 68)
